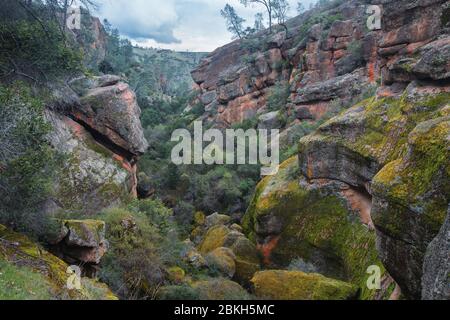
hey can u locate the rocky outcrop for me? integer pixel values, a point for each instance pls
(396, 149)
(98, 130)
(82, 242)
(378, 170)
(323, 56)
(109, 107)
(223, 247)
(20, 252)
(323, 222)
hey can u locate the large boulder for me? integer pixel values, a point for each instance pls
(82, 241)
(410, 202)
(350, 84)
(434, 60)
(323, 222)
(222, 260)
(109, 108)
(296, 285)
(271, 120)
(216, 219)
(93, 177)
(220, 239)
(220, 289)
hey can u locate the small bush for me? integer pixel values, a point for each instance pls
(278, 96)
(27, 162)
(183, 292)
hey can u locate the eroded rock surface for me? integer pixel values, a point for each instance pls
(82, 241)
(100, 135)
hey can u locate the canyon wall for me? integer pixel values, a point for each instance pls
(373, 180)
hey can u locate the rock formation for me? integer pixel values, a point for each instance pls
(371, 186)
(100, 134)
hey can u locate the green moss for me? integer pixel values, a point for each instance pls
(214, 238)
(296, 285)
(85, 229)
(220, 289)
(24, 253)
(407, 181)
(314, 221)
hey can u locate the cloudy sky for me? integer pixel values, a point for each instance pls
(193, 25)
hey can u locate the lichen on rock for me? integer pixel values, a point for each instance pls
(20, 251)
(296, 285)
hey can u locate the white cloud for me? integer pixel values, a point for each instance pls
(194, 25)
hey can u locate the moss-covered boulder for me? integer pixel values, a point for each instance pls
(291, 218)
(217, 219)
(213, 239)
(222, 260)
(296, 285)
(411, 197)
(246, 257)
(176, 275)
(396, 149)
(220, 289)
(82, 241)
(23, 258)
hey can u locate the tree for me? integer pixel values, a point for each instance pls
(280, 12)
(259, 22)
(233, 21)
(268, 4)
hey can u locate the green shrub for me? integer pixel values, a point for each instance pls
(132, 266)
(182, 292)
(184, 214)
(30, 51)
(143, 243)
(278, 96)
(27, 162)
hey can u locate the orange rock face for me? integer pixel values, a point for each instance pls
(238, 77)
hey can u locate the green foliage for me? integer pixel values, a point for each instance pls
(323, 18)
(253, 44)
(27, 162)
(143, 243)
(181, 292)
(246, 124)
(233, 21)
(22, 283)
(278, 96)
(184, 214)
(35, 48)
